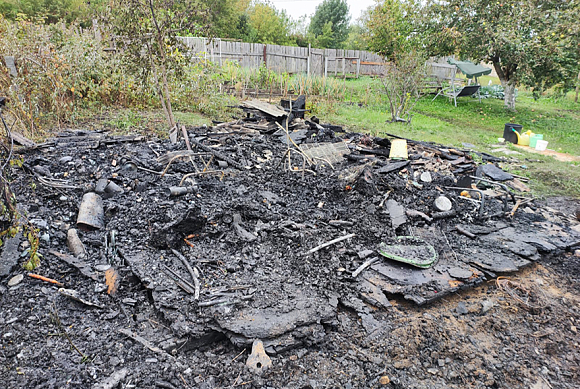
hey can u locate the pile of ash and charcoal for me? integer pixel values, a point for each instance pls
(255, 232)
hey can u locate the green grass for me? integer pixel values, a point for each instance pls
(191, 118)
(127, 121)
(476, 123)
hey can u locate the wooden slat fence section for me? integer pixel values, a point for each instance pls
(288, 59)
(442, 71)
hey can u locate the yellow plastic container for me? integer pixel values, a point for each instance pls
(524, 139)
(398, 149)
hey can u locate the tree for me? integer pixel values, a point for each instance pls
(299, 33)
(391, 27)
(226, 17)
(336, 13)
(356, 39)
(527, 41)
(402, 82)
(325, 38)
(148, 32)
(51, 10)
(269, 25)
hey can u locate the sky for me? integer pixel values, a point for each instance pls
(297, 8)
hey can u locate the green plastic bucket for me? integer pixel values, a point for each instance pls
(534, 139)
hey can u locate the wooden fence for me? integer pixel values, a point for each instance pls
(288, 59)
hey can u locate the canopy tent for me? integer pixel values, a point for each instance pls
(470, 69)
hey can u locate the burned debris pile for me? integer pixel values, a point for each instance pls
(268, 224)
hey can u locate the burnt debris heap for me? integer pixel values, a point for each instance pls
(261, 227)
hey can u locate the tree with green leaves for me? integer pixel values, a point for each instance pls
(51, 10)
(331, 14)
(147, 32)
(269, 25)
(356, 39)
(531, 42)
(226, 18)
(390, 27)
(402, 82)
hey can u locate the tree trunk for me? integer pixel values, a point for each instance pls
(509, 100)
(577, 88)
(158, 86)
(166, 95)
(509, 86)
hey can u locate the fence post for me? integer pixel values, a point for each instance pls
(265, 58)
(358, 66)
(308, 61)
(97, 30)
(344, 67)
(325, 66)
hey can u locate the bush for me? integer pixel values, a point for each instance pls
(60, 70)
(402, 83)
(492, 92)
(63, 71)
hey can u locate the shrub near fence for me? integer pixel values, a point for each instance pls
(57, 70)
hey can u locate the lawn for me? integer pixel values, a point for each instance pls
(477, 123)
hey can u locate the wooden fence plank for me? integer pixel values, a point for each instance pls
(286, 58)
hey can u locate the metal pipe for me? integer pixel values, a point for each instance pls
(91, 214)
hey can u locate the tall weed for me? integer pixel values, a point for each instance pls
(60, 69)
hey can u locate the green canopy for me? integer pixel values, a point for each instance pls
(469, 68)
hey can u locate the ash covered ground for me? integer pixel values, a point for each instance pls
(247, 224)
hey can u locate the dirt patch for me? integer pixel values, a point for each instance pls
(552, 153)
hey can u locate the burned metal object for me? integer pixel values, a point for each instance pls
(91, 214)
(180, 190)
(75, 245)
(326, 152)
(258, 361)
(296, 107)
(411, 250)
